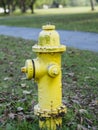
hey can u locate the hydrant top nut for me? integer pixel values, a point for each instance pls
(48, 27)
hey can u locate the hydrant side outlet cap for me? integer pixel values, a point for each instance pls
(28, 69)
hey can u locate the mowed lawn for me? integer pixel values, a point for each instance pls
(77, 18)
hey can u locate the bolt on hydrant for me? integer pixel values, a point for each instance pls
(46, 71)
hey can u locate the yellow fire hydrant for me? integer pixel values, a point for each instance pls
(46, 70)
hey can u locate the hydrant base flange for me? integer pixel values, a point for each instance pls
(59, 112)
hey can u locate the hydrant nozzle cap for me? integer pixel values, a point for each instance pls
(23, 70)
(48, 27)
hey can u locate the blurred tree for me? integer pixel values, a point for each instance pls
(92, 4)
(25, 4)
(40, 3)
(10, 5)
(6, 5)
(22, 4)
(3, 5)
(78, 2)
(31, 4)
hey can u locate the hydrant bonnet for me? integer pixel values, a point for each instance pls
(49, 41)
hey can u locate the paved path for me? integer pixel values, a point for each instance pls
(81, 40)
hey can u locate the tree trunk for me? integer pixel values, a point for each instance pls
(92, 4)
(4, 6)
(23, 6)
(13, 4)
(32, 6)
(9, 9)
(9, 6)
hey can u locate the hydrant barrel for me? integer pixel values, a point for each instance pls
(46, 70)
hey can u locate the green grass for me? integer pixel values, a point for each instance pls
(77, 19)
(79, 79)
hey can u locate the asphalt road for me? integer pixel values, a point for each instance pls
(80, 40)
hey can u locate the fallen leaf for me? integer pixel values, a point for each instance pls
(23, 85)
(2, 100)
(27, 92)
(83, 111)
(76, 101)
(81, 127)
(92, 68)
(7, 78)
(20, 116)
(11, 115)
(19, 109)
(71, 74)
